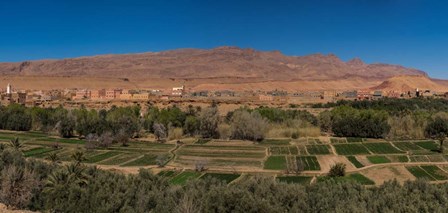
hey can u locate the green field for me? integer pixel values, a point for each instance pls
(274, 142)
(303, 180)
(279, 150)
(435, 172)
(275, 163)
(406, 146)
(378, 159)
(354, 140)
(419, 173)
(360, 179)
(398, 158)
(351, 149)
(338, 140)
(120, 159)
(168, 173)
(101, 157)
(318, 149)
(382, 148)
(227, 178)
(183, 177)
(145, 160)
(356, 177)
(309, 163)
(37, 151)
(355, 161)
(429, 145)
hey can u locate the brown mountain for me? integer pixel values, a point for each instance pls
(411, 83)
(245, 65)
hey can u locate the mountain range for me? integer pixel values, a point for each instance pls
(216, 68)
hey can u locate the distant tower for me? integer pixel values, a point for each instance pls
(9, 89)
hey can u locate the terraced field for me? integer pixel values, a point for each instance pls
(227, 160)
(318, 149)
(382, 148)
(303, 180)
(351, 149)
(214, 156)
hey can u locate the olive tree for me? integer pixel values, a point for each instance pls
(438, 130)
(248, 126)
(208, 122)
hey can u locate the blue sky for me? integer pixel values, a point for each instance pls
(412, 33)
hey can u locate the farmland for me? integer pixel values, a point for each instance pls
(228, 160)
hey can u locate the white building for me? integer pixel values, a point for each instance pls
(9, 89)
(178, 91)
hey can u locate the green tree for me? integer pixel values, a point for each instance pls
(208, 122)
(337, 170)
(438, 130)
(191, 126)
(66, 127)
(248, 126)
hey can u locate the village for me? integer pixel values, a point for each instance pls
(30, 98)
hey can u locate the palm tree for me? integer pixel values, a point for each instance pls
(54, 158)
(15, 144)
(2, 147)
(78, 157)
(59, 180)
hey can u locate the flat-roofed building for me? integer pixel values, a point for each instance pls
(363, 95)
(81, 94)
(11, 98)
(178, 91)
(141, 96)
(113, 93)
(265, 98)
(97, 94)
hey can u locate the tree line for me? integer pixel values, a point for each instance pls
(379, 119)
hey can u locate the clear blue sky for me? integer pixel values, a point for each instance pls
(413, 33)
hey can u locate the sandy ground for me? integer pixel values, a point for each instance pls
(326, 161)
(381, 174)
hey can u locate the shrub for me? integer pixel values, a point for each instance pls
(248, 126)
(159, 131)
(224, 131)
(337, 170)
(191, 126)
(16, 186)
(175, 133)
(208, 122)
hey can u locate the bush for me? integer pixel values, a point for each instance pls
(337, 170)
(349, 122)
(248, 126)
(224, 131)
(175, 133)
(66, 127)
(159, 131)
(208, 122)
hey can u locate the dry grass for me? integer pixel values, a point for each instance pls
(175, 133)
(224, 131)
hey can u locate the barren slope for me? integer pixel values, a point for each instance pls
(220, 62)
(410, 83)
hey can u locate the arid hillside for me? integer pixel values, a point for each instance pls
(221, 62)
(410, 83)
